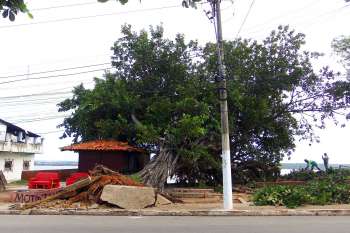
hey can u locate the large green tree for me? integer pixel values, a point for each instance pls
(162, 96)
(341, 46)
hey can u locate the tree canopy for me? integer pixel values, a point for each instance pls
(341, 46)
(10, 8)
(163, 97)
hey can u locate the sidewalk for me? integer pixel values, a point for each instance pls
(191, 207)
(210, 209)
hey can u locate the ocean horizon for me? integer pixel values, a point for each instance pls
(61, 165)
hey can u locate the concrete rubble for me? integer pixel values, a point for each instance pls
(161, 200)
(129, 197)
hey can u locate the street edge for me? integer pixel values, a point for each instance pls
(311, 212)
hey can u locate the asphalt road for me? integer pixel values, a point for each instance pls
(89, 224)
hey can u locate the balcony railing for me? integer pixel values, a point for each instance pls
(20, 147)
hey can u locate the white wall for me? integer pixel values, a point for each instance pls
(3, 129)
(18, 159)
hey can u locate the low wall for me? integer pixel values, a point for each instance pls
(64, 173)
(286, 182)
(32, 195)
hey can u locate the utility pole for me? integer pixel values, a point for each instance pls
(225, 138)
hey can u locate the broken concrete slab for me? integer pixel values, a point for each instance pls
(129, 197)
(161, 200)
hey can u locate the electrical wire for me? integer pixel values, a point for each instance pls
(32, 100)
(52, 132)
(64, 6)
(245, 18)
(40, 119)
(54, 91)
(56, 70)
(54, 76)
(35, 95)
(90, 16)
(290, 12)
(306, 21)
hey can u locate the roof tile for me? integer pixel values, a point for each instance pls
(102, 145)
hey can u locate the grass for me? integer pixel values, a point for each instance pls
(136, 178)
(18, 182)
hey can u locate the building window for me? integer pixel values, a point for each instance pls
(26, 165)
(8, 165)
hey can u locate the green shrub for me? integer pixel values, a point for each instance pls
(280, 195)
(302, 175)
(318, 192)
(307, 175)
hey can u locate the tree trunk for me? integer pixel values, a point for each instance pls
(161, 166)
(3, 182)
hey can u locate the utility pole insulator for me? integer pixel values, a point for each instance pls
(222, 93)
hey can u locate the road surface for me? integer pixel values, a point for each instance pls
(90, 224)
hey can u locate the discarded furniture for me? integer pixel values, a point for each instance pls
(44, 180)
(75, 177)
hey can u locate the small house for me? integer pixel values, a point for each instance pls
(17, 150)
(116, 155)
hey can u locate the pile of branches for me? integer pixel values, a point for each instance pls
(87, 190)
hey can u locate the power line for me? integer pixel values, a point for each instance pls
(288, 14)
(31, 114)
(245, 18)
(35, 95)
(51, 132)
(56, 70)
(32, 100)
(67, 6)
(64, 6)
(305, 20)
(90, 16)
(53, 92)
(53, 76)
(40, 119)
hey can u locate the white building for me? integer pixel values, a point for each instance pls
(17, 149)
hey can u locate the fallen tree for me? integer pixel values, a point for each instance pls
(88, 190)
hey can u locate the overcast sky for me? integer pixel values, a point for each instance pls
(74, 37)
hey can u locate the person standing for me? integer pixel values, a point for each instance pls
(325, 160)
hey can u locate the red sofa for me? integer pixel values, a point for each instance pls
(75, 177)
(44, 180)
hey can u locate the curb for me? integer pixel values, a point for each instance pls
(311, 212)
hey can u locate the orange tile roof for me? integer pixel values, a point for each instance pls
(102, 145)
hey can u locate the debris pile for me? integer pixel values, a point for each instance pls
(86, 191)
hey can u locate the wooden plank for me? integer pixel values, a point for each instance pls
(66, 191)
